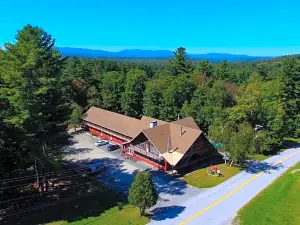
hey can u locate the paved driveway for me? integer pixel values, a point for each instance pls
(121, 172)
(218, 206)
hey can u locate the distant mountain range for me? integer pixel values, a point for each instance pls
(154, 54)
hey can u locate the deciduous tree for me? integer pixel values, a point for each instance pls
(93, 97)
(153, 98)
(76, 116)
(180, 90)
(132, 99)
(112, 89)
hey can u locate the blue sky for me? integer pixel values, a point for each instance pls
(256, 27)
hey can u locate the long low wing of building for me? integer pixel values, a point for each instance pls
(164, 145)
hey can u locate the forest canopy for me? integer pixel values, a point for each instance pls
(248, 107)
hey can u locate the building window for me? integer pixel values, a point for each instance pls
(153, 150)
(142, 145)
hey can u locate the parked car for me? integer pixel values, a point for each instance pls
(112, 147)
(101, 143)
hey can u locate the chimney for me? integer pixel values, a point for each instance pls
(169, 146)
(153, 123)
(180, 132)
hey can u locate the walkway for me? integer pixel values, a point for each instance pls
(219, 205)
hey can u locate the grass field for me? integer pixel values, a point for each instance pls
(201, 179)
(128, 215)
(278, 204)
(94, 204)
(287, 143)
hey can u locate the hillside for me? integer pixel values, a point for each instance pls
(154, 54)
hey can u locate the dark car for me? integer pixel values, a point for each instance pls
(111, 147)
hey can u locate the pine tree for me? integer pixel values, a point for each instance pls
(204, 67)
(180, 64)
(291, 94)
(223, 71)
(31, 73)
(142, 193)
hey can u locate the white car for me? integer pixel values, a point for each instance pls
(101, 143)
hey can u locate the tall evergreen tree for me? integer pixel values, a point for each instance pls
(291, 94)
(14, 155)
(204, 67)
(31, 71)
(142, 192)
(262, 69)
(223, 71)
(180, 64)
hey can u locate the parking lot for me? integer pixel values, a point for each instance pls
(119, 172)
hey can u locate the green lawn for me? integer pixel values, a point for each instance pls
(201, 179)
(258, 157)
(278, 204)
(99, 207)
(287, 143)
(128, 215)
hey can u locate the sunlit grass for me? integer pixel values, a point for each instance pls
(278, 204)
(201, 179)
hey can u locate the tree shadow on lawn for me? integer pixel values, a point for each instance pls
(117, 180)
(168, 212)
(166, 184)
(79, 197)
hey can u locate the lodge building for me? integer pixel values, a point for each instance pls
(164, 145)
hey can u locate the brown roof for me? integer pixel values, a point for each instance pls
(149, 119)
(125, 125)
(159, 137)
(187, 122)
(131, 127)
(179, 145)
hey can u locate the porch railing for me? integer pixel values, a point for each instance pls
(144, 152)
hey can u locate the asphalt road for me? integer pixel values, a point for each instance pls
(219, 205)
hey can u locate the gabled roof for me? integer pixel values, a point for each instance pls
(148, 119)
(159, 135)
(125, 125)
(187, 122)
(179, 145)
